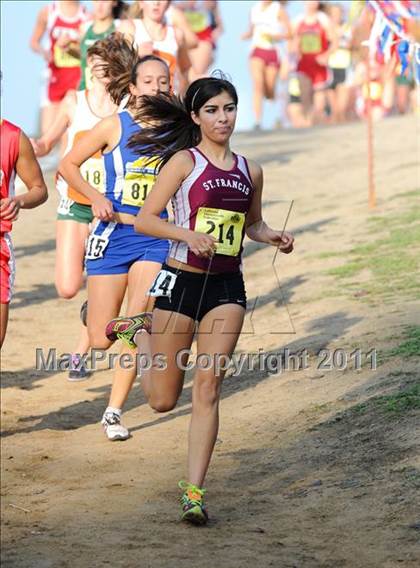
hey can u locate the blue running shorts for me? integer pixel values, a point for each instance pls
(112, 248)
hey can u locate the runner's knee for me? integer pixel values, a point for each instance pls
(66, 291)
(207, 391)
(98, 340)
(162, 403)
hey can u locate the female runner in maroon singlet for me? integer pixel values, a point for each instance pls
(216, 198)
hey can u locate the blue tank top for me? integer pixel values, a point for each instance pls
(129, 176)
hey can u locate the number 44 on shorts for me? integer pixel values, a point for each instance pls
(163, 285)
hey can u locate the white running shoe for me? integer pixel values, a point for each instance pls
(111, 421)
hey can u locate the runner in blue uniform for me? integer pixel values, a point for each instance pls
(117, 258)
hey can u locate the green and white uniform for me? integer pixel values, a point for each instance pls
(87, 41)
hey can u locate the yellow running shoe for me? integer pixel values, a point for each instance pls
(126, 328)
(193, 510)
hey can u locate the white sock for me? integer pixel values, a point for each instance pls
(112, 410)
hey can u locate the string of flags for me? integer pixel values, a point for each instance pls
(389, 33)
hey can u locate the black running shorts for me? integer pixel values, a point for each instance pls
(339, 77)
(195, 294)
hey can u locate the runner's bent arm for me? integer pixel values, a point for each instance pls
(62, 121)
(128, 29)
(180, 21)
(249, 32)
(27, 168)
(219, 29)
(256, 228)
(294, 43)
(284, 19)
(332, 38)
(184, 61)
(38, 32)
(104, 136)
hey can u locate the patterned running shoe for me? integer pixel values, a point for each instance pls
(83, 312)
(193, 510)
(78, 370)
(114, 430)
(126, 328)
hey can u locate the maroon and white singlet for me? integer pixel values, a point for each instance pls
(213, 201)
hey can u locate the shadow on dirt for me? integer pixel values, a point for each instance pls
(90, 412)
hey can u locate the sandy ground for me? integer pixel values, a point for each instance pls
(298, 478)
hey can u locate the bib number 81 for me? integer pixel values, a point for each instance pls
(139, 192)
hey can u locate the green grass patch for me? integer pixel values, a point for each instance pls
(392, 221)
(393, 262)
(413, 193)
(401, 402)
(393, 404)
(390, 264)
(410, 347)
(347, 270)
(323, 255)
(414, 478)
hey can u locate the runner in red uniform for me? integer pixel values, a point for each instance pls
(205, 21)
(61, 21)
(315, 41)
(17, 157)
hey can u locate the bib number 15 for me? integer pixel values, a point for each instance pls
(95, 247)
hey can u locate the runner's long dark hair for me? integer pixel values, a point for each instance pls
(166, 119)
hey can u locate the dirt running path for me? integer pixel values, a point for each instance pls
(303, 475)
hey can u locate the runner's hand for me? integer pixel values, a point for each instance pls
(281, 239)
(9, 209)
(102, 208)
(322, 59)
(201, 245)
(46, 54)
(215, 35)
(63, 41)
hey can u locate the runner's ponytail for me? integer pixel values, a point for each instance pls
(118, 58)
(167, 127)
(167, 124)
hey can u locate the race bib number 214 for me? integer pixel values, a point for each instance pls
(225, 226)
